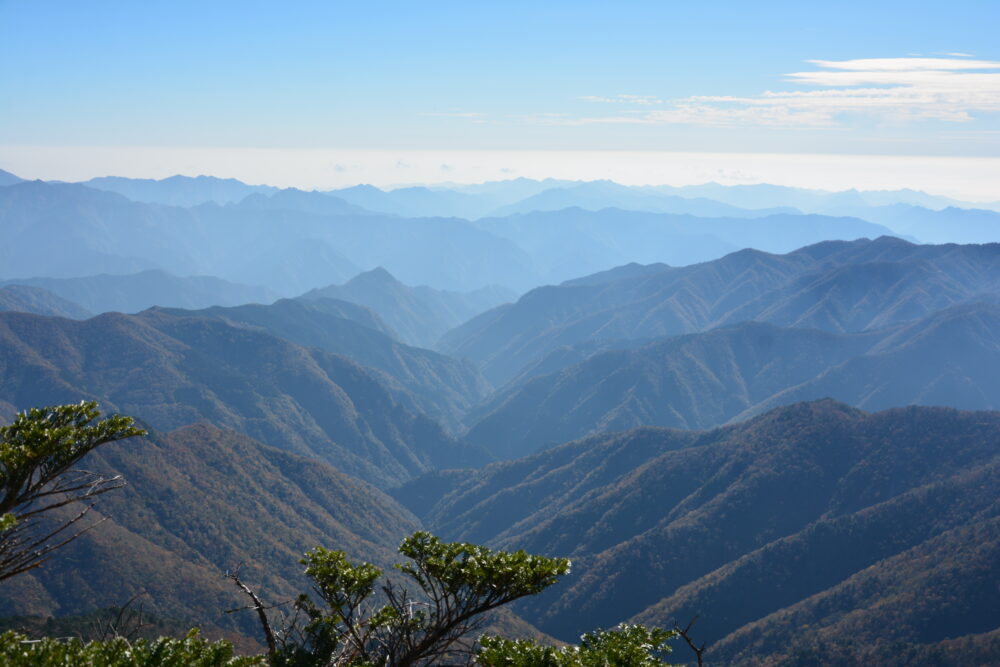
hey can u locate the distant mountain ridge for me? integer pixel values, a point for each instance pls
(179, 190)
(571, 242)
(598, 195)
(7, 178)
(442, 387)
(139, 291)
(949, 358)
(419, 315)
(29, 299)
(834, 286)
(174, 370)
(102, 232)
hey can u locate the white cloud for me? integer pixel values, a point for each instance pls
(642, 100)
(895, 90)
(454, 114)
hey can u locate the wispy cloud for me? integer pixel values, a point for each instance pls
(643, 100)
(893, 90)
(454, 114)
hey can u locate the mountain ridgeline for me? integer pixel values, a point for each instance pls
(815, 529)
(832, 286)
(768, 408)
(175, 370)
(949, 358)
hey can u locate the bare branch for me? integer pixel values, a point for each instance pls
(685, 634)
(272, 647)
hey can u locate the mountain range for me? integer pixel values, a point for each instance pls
(102, 232)
(291, 241)
(418, 315)
(949, 358)
(179, 190)
(441, 387)
(741, 404)
(28, 299)
(814, 529)
(833, 286)
(131, 293)
(172, 370)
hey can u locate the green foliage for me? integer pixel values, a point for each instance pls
(473, 571)
(192, 651)
(625, 646)
(456, 584)
(37, 454)
(43, 443)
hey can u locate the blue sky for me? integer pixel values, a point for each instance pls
(556, 76)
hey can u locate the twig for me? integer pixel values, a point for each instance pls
(272, 647)
(685, 634)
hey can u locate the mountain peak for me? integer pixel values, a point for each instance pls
(377, 276)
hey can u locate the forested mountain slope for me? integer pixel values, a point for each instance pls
(29, 299)
(815, 522)
(173, 370)
(950, 358)
(442, 387)
(201, 501)
(834, 286)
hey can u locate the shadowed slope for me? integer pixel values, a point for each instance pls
(743, 522)
(836, 286)
(442, 387)
(951, 358)
(176, 370)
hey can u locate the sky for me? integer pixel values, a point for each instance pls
(394, 92)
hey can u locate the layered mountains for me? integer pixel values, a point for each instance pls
(833, 286)
(440, 386)
(813, 530)
(145, 289)
(418, 315)
(950, 358)
(291, 241)
(102, 232)
(738, 404)
(171, 370)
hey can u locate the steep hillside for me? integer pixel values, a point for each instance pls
(201, 501)
(835, 286)
(174, 370)
(951, 358)
(812, 518)
(418, 314)
(442, 387)
(27, 299)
